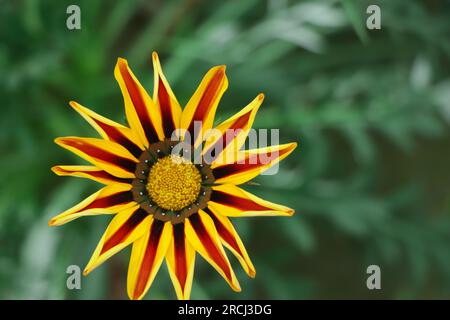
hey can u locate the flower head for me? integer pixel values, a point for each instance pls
(171, 181)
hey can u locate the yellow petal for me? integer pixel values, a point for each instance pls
(232, 241)
(89, 172)
(232, 201)
(230, 135)
(203, 104)
(108, 200)
(106, 155)
(127, 226)
(146, 257)
(180, 259)
(110, 130)
(251, 163)
(165, 100)
(202, 235)
(142, 115)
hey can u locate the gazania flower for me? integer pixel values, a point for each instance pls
(164, 203)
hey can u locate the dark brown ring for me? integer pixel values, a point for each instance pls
(140, 194)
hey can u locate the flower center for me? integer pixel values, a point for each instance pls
(170, 186)
(174, 183)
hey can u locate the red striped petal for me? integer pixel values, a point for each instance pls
(90, 172)
(125, 230)
(126, 227)
(202, 106)
(232, 240)
(107, 155)
(149, 257)
(239, 203)
(181, 269)
(209, 244)
(143, 116)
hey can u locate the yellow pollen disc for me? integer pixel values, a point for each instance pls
(174, 183)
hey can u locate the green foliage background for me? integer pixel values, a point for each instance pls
(370, 109)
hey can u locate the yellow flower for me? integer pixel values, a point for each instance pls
(166, 204)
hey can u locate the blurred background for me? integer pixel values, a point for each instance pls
(370, 180)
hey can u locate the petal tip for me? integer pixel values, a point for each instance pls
(155, 56)
(86, 271)
(221, 69)
(75, 105)
(59, 141)
(236, 287)
(135, 296)
(122, 61)
(294, 145)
